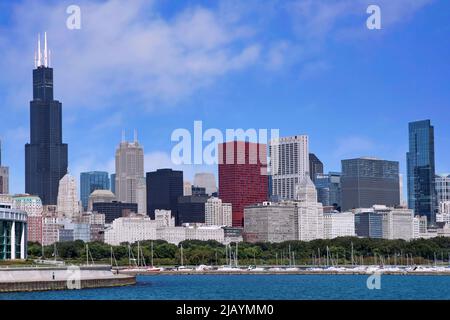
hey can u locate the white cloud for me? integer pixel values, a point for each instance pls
(125, 48)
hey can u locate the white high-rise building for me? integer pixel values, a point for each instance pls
(444, 208)
(217, 212)
(129, 169)
(338, 224)
(398, 223)
(68, 203)
(206, 180)
(131, 229)
(289, 162)
(141, 195)
(442, 185)
(310, 212)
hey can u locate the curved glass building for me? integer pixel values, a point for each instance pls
(13, 233)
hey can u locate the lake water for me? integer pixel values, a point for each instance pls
(242, 287)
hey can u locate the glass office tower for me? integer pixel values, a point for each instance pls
(421, 171)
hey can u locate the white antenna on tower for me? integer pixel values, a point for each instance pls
(39, 51)
(45, 50)
(35, 59)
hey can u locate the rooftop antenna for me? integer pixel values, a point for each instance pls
(45, 50)
(35, 59)
(39, 51)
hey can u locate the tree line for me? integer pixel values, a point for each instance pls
(338, 251)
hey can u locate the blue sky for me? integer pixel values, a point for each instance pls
(304, 67)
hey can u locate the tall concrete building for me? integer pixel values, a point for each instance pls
(13, 240)
(129, 169)
(46, 154)
(271, 222)
(206, 180)
(68, 205)
(421, 170)
(164, 187)
(4, 175)
(369, 181)
(289, 162)
(91, 181)
(315, 166)
(242, 176)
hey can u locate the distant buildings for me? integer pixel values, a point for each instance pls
(91, 181)
(129, 169)
(315, 166)
(289, 162)
(206, 180)
(242, 176)
(113, 183)
(369, 181)
(46, 154)
(218, 213)
(13, 241)
(328, 188)
(4, 175)
(421, 170)
(68, 205)
(32, 205)
(301, 219)
(164, 187)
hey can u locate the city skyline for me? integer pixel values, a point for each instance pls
(270, 106)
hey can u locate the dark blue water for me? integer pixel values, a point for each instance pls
(241, 287)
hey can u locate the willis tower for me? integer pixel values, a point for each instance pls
(45, 155)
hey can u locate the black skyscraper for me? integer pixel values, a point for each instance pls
(164, 186)
(45, 155)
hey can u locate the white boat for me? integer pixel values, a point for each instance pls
(203, 267)
(228, 268)
(292, 269)
(255, 269)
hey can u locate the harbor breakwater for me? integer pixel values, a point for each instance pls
(61, 278)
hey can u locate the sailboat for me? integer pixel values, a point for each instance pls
(139, 263)
(181, 267)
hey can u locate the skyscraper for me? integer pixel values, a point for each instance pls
(369, 181)
(91, 181)
(164, 186)
(4, 175)
(45, 155)
(129, 169)
(442, 185)
(329, 189)
(289, 162)
(315, 166)
(421, 170)
(242, 176)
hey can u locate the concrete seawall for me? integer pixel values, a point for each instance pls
(61, 278)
